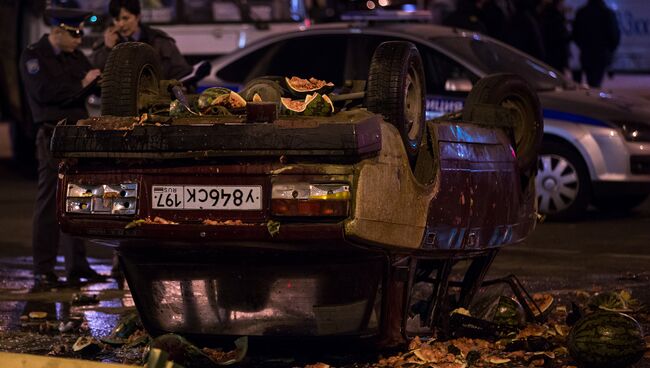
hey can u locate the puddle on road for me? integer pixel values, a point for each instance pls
(53, 311)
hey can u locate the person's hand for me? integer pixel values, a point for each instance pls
(90, 77)
(111, 37)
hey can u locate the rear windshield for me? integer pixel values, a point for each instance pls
(492, 57)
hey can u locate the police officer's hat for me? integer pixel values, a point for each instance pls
(66, 18)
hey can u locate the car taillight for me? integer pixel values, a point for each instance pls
(308, 200)
(104, 199)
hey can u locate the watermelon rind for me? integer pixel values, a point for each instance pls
(606, 340)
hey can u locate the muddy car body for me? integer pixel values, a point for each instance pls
(304, 226)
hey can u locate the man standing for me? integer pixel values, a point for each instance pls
(55, 75)
(127, 27)
(597, 35)
(555, 34)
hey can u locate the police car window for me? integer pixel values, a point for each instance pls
(492, 57)
(439, 69)
(321, 57)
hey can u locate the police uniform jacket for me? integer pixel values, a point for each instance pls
(174, 65)
(53, 82)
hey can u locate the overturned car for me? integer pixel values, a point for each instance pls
(268, 220)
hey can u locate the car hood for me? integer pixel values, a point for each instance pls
(594, 105)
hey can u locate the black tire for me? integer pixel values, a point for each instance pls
(396, 88)
(132, 73)
(571, 202)
(619, 203)
(513, 92)
(268, 89)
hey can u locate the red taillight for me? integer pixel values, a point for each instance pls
(309, 207)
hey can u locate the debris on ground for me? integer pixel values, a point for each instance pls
(559, 342)
(601, 336)
(127, 326)
(84, 299)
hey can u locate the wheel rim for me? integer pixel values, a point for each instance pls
(557, 184)
(147, 86)
(518, 107)
(413, 105)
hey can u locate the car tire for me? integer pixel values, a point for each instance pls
(268, 88)
(562, 184)
(396, 88)
(619, 203)
(132, 72)
(512, 92)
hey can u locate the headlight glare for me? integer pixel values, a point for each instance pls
(634, 131)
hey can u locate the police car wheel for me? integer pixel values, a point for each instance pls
(514, 93)
(130, 78)
(396, 88)
(562, 183)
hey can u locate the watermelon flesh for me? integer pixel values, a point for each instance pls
(306, 85)
(313, 105)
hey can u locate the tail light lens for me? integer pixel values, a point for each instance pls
(105, 199)
(310, 200)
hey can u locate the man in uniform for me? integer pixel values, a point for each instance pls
(56, 76)
(127, 27)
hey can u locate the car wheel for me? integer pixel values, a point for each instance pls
(619, 203)
(268, 88)
(562, 183)
(514, 93)
(130, 79)
(396, 88)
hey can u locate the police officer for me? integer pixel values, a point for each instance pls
(56, 75)
(596, 32)
(127, 27)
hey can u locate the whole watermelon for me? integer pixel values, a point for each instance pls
(606, 340)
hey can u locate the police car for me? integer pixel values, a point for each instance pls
(596, 146)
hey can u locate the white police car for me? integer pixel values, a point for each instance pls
(596, 146)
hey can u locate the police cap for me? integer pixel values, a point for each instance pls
(66, 18)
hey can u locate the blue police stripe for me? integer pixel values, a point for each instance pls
(573, 118)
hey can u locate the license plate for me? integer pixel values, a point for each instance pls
(194, 197)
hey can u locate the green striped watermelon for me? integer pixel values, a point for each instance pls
(606, 340)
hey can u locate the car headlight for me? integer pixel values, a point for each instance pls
(309, 199)
(104, 199)
(634, 131)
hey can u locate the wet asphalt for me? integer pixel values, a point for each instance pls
(602, 252)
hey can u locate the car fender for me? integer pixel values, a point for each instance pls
(390, 206)
(589, 141)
